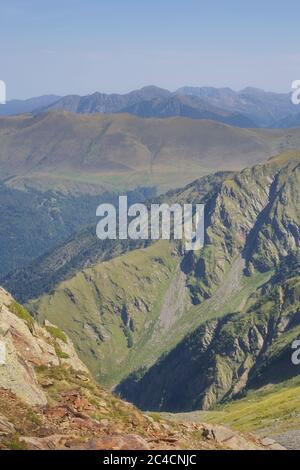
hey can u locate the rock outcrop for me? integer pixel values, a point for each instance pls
(25, 345)
(48, 399)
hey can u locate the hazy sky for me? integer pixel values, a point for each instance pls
(82, 46)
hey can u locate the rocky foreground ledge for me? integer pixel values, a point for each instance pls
(48, 400)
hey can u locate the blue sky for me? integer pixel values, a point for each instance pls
(80, 46)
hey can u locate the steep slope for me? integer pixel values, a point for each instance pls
(49, 401)
(225, 356)
(293, 120)
(253, 227)
(111, 309)
(186, 106)
(25, 345)
(264, 108)
(84, 249)
(94, 153)
(108, 103)
(254, 218)
(80, 251)
(139, 306)
(33, 223)
(148, 102)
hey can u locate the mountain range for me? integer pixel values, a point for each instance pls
(204, 335)
(250, 107)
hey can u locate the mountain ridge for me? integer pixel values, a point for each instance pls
(126, 321)
(115, 152)
(249, 107)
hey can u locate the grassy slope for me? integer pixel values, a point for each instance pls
(88, 307)
(272, 409)
(92, 303)
(106, 308)
(220, 359)
(88, 152)
(268, 411)
(251, 209)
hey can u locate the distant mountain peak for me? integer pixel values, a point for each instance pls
(249, 107)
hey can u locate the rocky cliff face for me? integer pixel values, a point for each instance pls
(228, 355)
(48, 400)
(255, 216)
(253, 227)
(25, 345)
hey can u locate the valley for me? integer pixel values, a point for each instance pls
(149, 343)
(49, 400)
